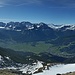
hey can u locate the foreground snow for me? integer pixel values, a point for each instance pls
(58, 69)
(61, 68)
(34, 67)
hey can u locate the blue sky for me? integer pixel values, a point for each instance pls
(48, 11)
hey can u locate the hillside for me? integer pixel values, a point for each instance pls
(7, 72)
(29, 57)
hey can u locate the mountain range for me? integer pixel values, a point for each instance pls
(45, 42)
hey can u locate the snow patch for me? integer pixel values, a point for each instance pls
(0, 57)
(61, 69)
(2, 27)
(7, 58)
(30, 28)
(70, 27)
(32, 68)
(18, 30)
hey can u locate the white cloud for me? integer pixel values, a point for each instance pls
(7, 20)
(50, 3)
(18, 2)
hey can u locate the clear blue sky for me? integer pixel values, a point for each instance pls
(48, 11)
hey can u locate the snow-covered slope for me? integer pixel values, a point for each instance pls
(36, 68)
(7, 63)
(32, 68)
(58, 69)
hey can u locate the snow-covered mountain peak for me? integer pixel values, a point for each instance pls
(21, 26)
(72, 27)
(63, 26)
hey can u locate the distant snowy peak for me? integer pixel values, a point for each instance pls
(21, 26)
(62, 27)
(72, 27)
(54, 26)
(67, 27)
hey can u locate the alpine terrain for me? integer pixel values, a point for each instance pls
(29, 47)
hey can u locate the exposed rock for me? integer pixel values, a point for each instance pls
(58, 74)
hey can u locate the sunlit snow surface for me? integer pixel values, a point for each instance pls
(58, 69)
(32, 68)
(0, 57)
(53, 70)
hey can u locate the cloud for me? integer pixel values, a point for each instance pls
(6, 20)
(18, 2)
(61, 3)
(49, 3)
(4, 3)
